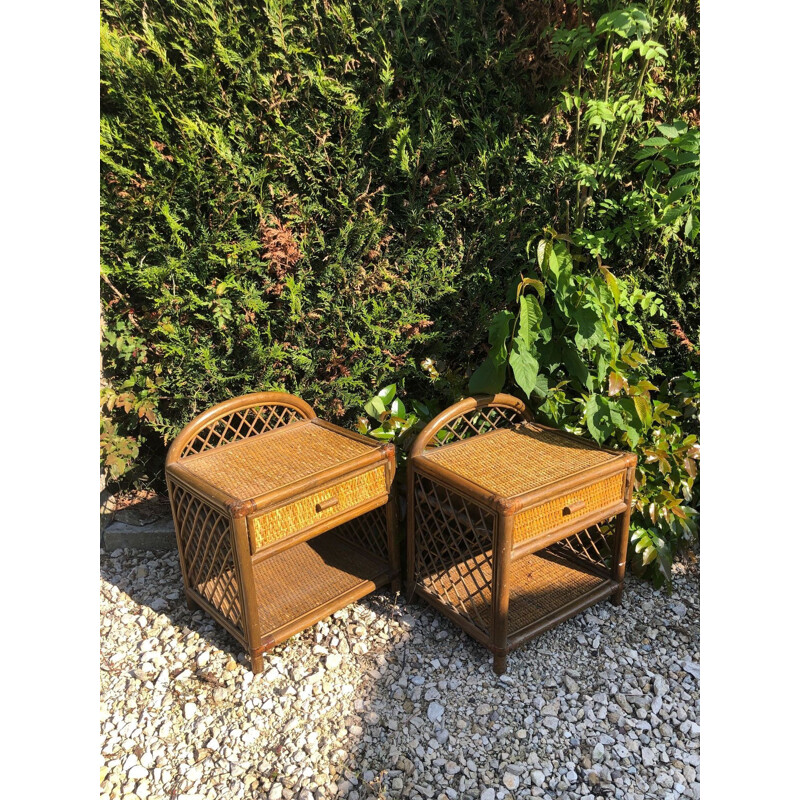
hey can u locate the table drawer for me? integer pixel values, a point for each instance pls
(270, 527)
(570, 506)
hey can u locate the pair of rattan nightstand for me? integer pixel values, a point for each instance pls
(282, 519)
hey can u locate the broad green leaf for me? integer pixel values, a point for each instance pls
(542, 387)
(642, 405)
(387, 393)
(375, 408)
(692, 228)
(398, 409)
(524, 366)
(499, 328)
(682, 176)
(612, 283)
(545, 328)
(616, 383)
(543, 253)
(633, 435)
(674, 213)
(655, 141)
(530, 315)
(575, 365)
(672, 130)
(678, 192)
(490, 377)
(598, 420)
(538, 285)
(590, 328)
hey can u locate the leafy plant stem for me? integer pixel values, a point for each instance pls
(642, 74)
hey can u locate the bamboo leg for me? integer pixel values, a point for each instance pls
(393, 543)
(410, 533)
(621, 528)
(256, 662)
(244, 568)
(500, 592)
(190, 604)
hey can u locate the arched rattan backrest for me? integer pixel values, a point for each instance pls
(237, 419)
(469, 417)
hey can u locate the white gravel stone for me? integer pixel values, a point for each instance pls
(510, 781)
(333, 661)
(137, 772)
(435, 712)
(609, 698)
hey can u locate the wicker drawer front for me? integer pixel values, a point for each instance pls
(277, 524)
(571, 506)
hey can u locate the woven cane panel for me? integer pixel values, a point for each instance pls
(550, 515)
(239, 425)
(590, 547)
(509, 462)
(206, 541)
(476, 422)
(367, 532)
(452, 549)
(307, 576)
(275, 525)
(538, 586)
(261, 464)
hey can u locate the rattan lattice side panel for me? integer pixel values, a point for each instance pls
(205, 541)
(367, 532)
(453, 549)
(592, 547)
(240, 424)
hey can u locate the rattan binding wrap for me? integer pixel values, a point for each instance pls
(272, 526)
(547, 516)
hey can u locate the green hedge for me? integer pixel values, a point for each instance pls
(318, 197)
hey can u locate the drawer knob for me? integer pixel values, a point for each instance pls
(573, 507)
(329, 503)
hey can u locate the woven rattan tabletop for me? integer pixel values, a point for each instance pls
(511, 461)
(257, 465)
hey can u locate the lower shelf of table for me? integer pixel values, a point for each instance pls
(544, 588)
(299, 586)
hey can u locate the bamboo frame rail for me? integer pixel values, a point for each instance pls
(280, 517)
(513, 527)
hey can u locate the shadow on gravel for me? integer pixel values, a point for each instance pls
(604, 705)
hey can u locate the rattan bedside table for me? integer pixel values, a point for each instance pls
(513, 527)
(280, 518)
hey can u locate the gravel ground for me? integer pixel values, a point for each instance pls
(386, 700)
